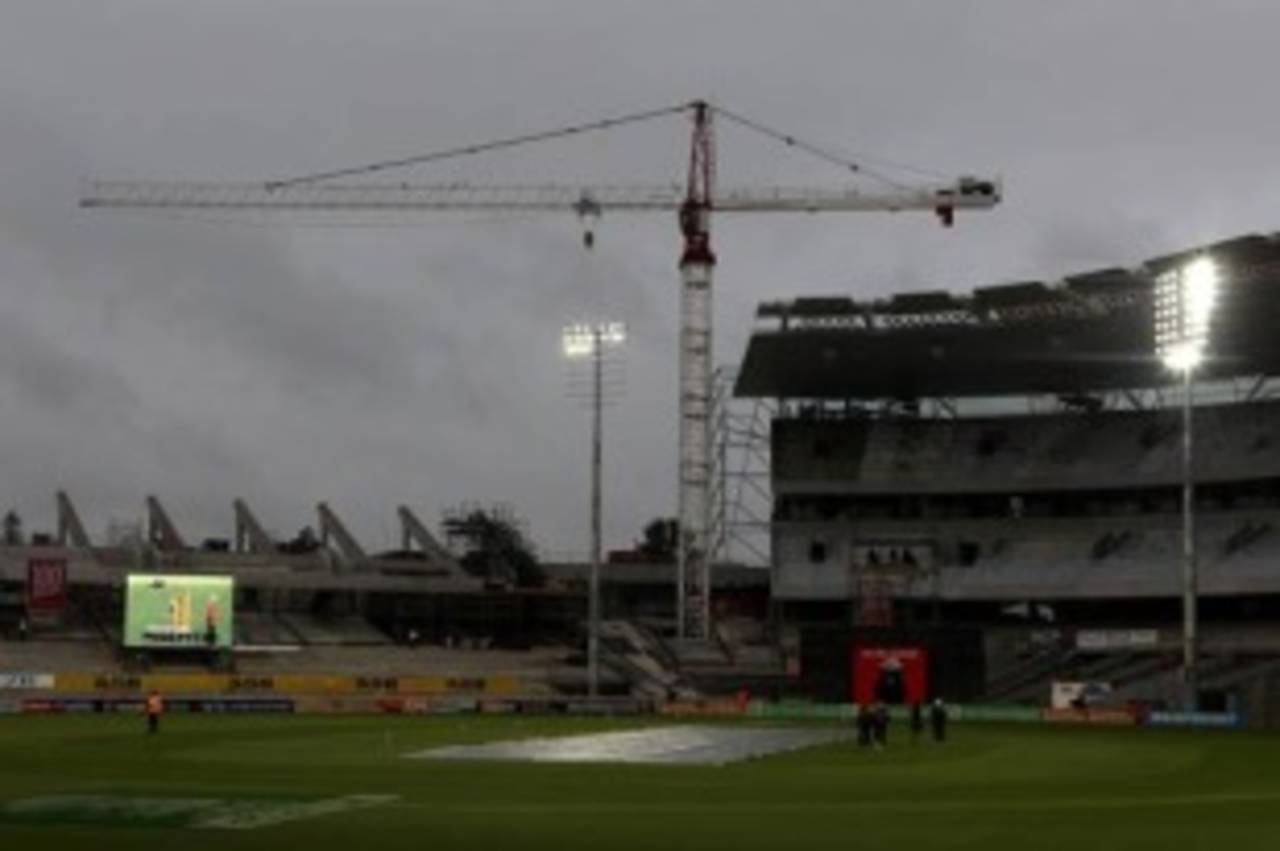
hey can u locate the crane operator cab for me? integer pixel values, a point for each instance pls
(973, 192)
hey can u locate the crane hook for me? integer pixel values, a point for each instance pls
(588, 210)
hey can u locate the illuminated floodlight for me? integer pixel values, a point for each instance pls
(577, 341)
(614, 333)
(582, 339)
(1184, 301)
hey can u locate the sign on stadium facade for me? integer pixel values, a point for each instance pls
(46, 586)
(1117, 639)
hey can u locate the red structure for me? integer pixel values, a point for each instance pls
(897, 675)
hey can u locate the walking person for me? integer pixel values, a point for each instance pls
(938, 720)
(881, 725)
(154, 708)
(917, 722)
(864, 726)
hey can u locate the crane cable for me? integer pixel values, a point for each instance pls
(467, 150)
(816, 151)
(606, 124)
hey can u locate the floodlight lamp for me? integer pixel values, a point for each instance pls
(1200, 290)
(582, 339)
(1183, 358)
(613, 333)
(577, 341)
(1184, 301)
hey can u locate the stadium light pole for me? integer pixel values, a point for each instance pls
(1184, 303)
(590, 342)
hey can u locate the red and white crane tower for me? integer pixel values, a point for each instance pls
(695, 203)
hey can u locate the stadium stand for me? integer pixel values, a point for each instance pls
(314, 609)
(375, 660)
(999, 454)
(43, 655)
(990, 481)
(340, 630)
(1007, 465)
(265, 629)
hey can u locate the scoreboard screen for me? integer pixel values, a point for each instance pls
(172, 611)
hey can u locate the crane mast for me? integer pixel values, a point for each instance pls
(697, 262)
(693, 203)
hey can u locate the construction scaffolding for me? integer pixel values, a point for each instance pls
(741, 490)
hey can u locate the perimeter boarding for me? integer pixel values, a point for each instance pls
(46, 693)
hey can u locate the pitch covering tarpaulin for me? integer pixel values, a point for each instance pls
(176, 611)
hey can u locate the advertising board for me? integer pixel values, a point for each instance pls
(716, 708)
(173, 611)
(994, 713)
(217, 705)
(1067, 695)
(802, 710)
(25, 682)
(1101, 716)
(1193, 719)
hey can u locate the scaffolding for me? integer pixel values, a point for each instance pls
(741, 491)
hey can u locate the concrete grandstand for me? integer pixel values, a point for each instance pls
(996, 477)
(324, 615)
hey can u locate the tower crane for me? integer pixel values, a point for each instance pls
(694, 203)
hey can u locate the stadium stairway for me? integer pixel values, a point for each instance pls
(740, 655)
(1241, 671)
(637, 655)
(1027, 675)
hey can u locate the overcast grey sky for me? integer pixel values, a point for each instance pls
(369, 367)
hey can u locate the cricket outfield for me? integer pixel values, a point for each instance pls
(215, 782)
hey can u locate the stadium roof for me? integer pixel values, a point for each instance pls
(1087, 332)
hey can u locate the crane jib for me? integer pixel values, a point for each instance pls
(407, 198)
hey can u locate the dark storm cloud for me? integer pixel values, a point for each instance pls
(42, 375)
(420, 364)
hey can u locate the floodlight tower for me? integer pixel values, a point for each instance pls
(1184, 302)
(591, 342)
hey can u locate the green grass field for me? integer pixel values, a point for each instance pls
(990, 788)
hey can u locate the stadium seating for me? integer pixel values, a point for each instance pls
(335, 630)
(1023, 663)
(1004, 454)
(39, 656)
(393, 660)
(1003, 558)
(264, 629)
